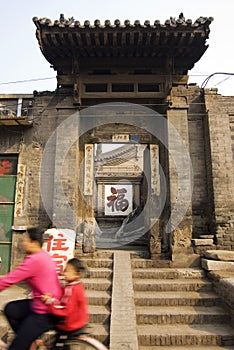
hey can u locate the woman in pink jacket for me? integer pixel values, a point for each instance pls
(29, 318)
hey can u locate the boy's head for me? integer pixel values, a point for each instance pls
(72, 270)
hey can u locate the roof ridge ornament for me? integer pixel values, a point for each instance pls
(77, 23)
(171, 22)
(137, 23)
(61, 18)
(127, 23)
(147, 23)
(86, 23)
(157, 23)
(97, 23)
(117, 23)
(107, 23)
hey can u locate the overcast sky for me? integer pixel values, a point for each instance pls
(24, 69)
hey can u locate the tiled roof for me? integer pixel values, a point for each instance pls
(177, 23)
(182, 39)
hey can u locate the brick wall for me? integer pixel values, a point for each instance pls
(205, 122)
(221, 180)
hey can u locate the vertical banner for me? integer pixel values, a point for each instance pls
(20, 190)
(154, 167)
(88, 170)
(60, 244)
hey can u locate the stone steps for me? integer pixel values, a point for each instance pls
(99, 314)
(157, 273)
(138, 262)
(185, 335)
(100, 332)
(98, 286)
(199, 347)
(102, 272)
(191, 285)
(98, 297)
(173, 298)
(173, 307)
(98, 262)
(182, 314)
(178, 308)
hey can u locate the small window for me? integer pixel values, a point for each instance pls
(148, 87)
(122, 87)
(96, 88)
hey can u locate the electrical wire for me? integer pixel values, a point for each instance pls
(220, 82)
(205, 82)
(25, 81)
(48, 78)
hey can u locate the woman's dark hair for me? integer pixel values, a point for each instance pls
(35, 234)
(77, 264)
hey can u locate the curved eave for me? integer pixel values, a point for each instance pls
(181, 40)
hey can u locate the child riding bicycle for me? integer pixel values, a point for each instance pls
(71, 310)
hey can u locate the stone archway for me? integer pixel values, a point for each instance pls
(118, 170)
(166, 197)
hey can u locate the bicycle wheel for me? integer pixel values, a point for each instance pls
(86, 343)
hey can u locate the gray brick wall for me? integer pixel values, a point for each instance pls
(205, 121)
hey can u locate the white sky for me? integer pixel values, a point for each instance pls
(21, 58)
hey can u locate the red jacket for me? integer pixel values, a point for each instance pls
(72, 308)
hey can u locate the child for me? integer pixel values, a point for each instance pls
(72, 308)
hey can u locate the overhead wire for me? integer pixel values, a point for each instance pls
(220, 82)
(48, 78)
(25, 81)
(205, 82)
(203, 85)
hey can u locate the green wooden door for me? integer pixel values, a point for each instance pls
(8, 173)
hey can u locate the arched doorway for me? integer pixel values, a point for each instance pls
(165, 186)
(120, 194)
(125, 205)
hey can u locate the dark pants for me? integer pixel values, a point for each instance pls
(26, 324)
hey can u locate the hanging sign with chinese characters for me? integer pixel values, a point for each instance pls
(118, 200)
(154, 165)
(60, 243)
(120, 138)
(88, 171)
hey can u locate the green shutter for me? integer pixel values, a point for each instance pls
(6, 220)
(8, 171)
(7, 188)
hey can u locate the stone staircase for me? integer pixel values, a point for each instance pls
(98, 285)
(137, 306)
(177, 308)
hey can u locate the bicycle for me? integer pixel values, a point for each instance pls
(80, 342)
